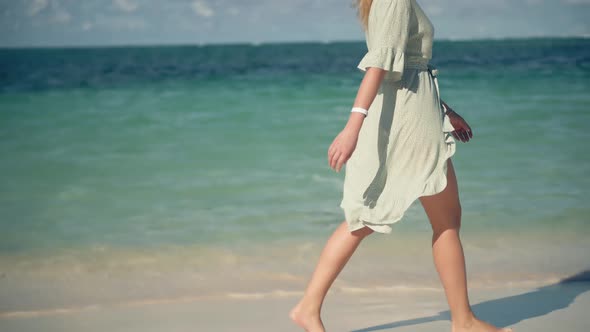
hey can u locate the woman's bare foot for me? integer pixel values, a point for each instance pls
(476, 325)
(308, 320)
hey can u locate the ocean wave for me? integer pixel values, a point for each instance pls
(39, 69)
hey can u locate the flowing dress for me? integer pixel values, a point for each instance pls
(405, 140)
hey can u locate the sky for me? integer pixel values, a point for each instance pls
(155, 22)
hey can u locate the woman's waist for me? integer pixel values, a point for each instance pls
(416, 62)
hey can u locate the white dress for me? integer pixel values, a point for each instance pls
(406, 138)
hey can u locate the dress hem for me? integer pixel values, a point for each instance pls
(436, 184)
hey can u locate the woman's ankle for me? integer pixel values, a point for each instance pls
(464, 321)
(309, 307)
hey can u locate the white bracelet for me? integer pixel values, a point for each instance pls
(360, 110)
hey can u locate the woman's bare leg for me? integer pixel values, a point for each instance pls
(337, 251)
(444, 212)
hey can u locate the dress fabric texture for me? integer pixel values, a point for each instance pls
(405, 140)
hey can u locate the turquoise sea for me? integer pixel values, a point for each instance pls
(207, 162)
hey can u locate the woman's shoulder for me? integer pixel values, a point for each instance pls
(385, 8)
(382, 6)
(391, 2)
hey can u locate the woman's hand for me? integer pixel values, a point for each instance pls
(342, 147)
(462, 130)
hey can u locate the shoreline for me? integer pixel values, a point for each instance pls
(387, 266)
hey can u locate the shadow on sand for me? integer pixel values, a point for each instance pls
(510, 310)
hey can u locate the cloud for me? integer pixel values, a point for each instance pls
(37, 6)
(126, 5)
(57, 13)
(201, 8)
(105, 21)
(119, 23)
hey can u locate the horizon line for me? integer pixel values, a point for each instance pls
(237, 43)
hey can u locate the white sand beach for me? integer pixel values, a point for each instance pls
(562, 307)
(253, 291)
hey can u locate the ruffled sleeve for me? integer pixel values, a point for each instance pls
(387, 36)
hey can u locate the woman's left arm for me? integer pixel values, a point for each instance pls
(344, 144)
(462, 130)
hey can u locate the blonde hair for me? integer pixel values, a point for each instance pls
(363, 7)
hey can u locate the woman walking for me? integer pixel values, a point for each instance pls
(403, 136)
